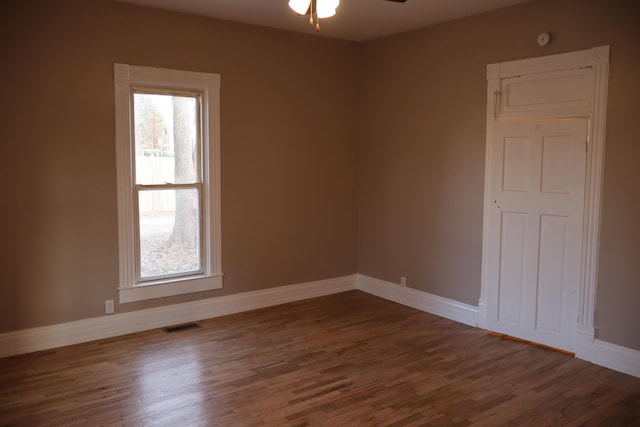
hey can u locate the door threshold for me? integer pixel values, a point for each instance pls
(547, 347)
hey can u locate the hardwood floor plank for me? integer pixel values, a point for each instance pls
(350, 359)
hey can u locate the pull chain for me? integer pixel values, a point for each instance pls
(311, 16)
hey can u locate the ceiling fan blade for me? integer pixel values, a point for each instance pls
(397, 1)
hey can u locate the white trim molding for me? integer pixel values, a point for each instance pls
(585, 337)
(618, 358)
(482, 313)
(420, 300)
(593, 190)
(612, 356)
(48, 337)
(602, 353)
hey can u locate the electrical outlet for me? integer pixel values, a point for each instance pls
(109, 307)
(403, 281)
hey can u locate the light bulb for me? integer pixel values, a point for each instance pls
(326, 8)
(300, 6)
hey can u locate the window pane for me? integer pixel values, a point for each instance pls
(166, 134)
(169, 232)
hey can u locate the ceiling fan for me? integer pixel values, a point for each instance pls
(319, 8)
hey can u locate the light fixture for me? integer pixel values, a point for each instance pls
(315, 8)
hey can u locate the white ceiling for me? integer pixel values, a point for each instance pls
(356, 20)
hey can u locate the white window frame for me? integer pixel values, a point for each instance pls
(126, 78)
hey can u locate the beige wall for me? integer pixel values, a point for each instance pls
(288, 179)
(405, 112)
(423, 97)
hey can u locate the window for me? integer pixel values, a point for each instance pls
(168, 163)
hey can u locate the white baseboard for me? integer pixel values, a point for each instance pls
(612, 356)
(616, 357)
(599, 352)
(440, 306)
(48, 337)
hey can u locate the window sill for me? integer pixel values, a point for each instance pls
(167, 289)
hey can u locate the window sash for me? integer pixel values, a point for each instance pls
(168, 91)
(202, 253)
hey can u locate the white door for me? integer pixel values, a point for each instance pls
(537, 181)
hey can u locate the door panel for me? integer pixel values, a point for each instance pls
(551, 277)
(516, 164)
(555, 164)
(512, 266)
(537, 190)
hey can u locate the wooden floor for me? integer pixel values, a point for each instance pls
(344, 360)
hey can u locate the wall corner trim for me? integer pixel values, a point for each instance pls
(79, 331)
(420, 300)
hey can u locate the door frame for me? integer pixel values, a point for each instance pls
(593, 108)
